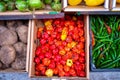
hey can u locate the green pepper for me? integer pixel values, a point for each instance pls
(36, 4)
(2, 7)
(10, 5)
(56, 5)
(21, 5)
(47, 1)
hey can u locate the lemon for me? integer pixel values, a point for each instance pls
(74, 2)
(118, 1)
(94, 2)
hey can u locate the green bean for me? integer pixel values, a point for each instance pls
(102, 37)
(105, 40)
(98, 47)
(107, 46)
(110, 63)
(105, 62)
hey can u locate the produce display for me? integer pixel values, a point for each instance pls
(13, 44)
(105, 41)
(87, 2)
(61, 47)
(29, 5)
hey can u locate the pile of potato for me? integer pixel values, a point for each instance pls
(13, 44)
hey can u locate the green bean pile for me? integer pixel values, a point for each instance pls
(106, 50)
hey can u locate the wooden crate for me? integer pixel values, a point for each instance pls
(27, 53)
(114, 6)
(34, 45)
(84, 8)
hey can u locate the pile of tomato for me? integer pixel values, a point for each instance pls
(61, 51)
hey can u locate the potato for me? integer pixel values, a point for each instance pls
(22, 32)
(7, 54)
(8, 37)
(20, 48)
(2, 22)
(10, 23)
(19, 23)
(2, 29)
(19, 63)
(0, 64)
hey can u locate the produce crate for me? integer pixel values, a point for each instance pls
(84, 8)
(99, 52)
(34, 43)
(13, 25)
(114, 6)
(28, 14)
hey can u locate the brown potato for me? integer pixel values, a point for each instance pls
(22, 32)
(2, 22)
(10, 23)
(2, 29)
(21, 49)
(8, 37)
(0, 64)
(19, 63)
(7, 54)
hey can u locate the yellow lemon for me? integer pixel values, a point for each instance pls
(74, 2)
(94, 2)
(118, 1)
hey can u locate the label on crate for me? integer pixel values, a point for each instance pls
(53, 12)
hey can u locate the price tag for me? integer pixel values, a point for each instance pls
(78, 13)
(53, 12)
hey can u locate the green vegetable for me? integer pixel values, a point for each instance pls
(36, 4)
(22, 5)
(2, 7)
(47, 1)
(10, 5)
(6, 0)
(106, 51)
(56, 5)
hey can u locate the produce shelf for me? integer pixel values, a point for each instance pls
(37, 15)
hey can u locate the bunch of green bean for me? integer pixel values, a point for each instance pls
(106, 51)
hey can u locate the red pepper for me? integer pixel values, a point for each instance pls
(108, 28)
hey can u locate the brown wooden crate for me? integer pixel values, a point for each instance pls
(34, 45)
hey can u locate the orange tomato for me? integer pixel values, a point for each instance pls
(72, 72)
(82, 39)
(62, 52)
(55, 71)
(61, 73)
(66, 68)
(67, 49)
(40, 67)
(46, 61)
